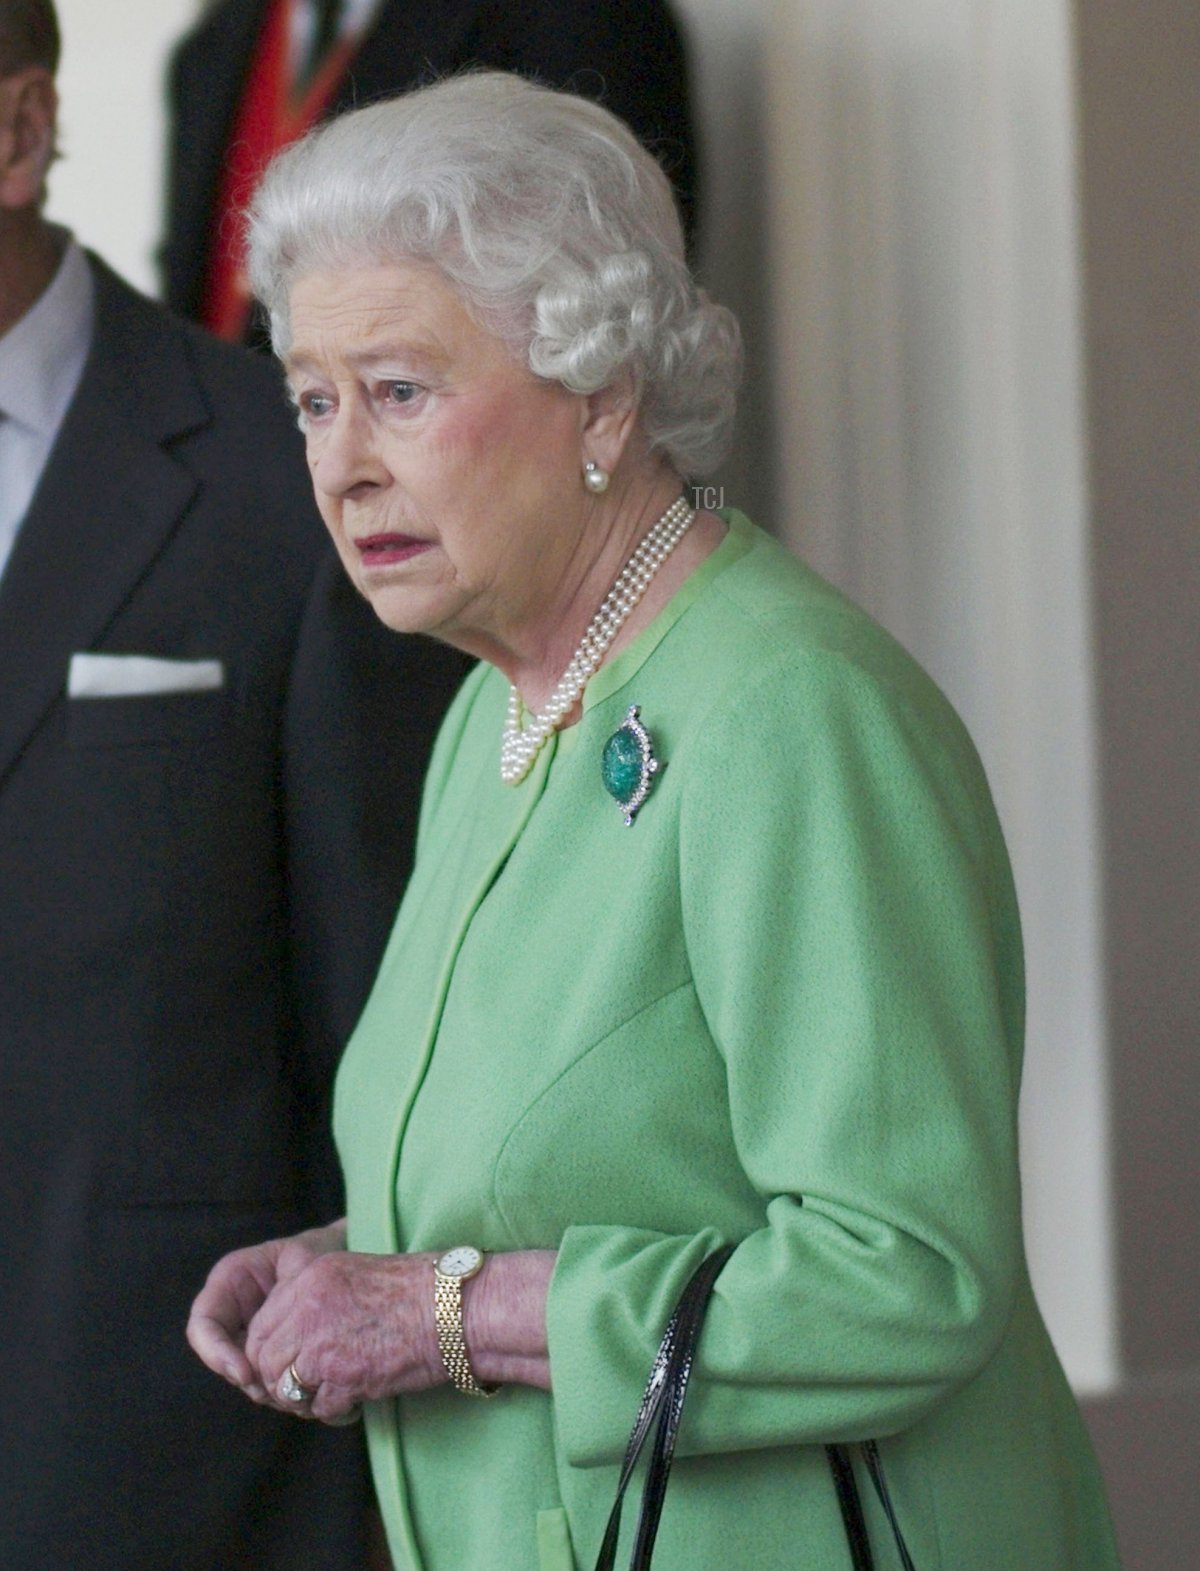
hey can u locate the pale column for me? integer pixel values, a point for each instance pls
(931, 424)
(112, 123)
(725, 54)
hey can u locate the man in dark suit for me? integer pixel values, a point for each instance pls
(210, 755)
(626, 53)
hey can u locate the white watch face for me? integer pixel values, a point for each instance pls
(461, 1261)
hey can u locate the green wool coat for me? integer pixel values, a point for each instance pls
(784, 1008)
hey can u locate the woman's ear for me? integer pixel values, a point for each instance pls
(609, 420)
(28, 130)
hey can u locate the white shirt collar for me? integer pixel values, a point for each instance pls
(357, 14)
(42, 356)
(356, 18)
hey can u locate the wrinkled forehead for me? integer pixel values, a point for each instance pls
(369, 304)
(394, 317)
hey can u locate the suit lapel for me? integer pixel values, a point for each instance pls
(109, 500)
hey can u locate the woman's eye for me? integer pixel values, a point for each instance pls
(400, 392)
(314, 405)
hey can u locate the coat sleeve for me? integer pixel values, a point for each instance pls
(852, 934)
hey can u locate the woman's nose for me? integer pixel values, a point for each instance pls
(345, 455)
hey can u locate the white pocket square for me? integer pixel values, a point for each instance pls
(138, 676)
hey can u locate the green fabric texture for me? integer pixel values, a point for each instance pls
(784, 1008)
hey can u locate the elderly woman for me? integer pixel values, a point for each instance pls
(711, 937)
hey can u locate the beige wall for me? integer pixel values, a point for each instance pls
(1139, 73)
(1140, 113)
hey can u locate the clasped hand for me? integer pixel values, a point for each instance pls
(356, 1327)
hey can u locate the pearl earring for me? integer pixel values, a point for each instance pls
(595, 478)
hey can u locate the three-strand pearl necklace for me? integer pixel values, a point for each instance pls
(524, 741)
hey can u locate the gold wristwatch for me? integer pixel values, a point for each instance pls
(450, 1271)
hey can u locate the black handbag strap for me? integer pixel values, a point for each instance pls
(874, 1461)
(841, 1466)
(683, 1355)
(663, 1400)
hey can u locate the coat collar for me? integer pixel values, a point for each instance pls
(109, 499)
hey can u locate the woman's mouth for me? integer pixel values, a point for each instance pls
(386, 550)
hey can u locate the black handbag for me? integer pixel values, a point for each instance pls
(662, 1400)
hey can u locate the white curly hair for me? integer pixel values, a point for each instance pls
(558, 230)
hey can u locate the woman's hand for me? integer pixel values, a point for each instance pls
(358, 1327)
(237, 1287)
(353, 1327)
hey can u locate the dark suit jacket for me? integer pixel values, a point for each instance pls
(194, 891)
(626, 53)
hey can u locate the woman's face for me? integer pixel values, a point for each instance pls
(448, 475)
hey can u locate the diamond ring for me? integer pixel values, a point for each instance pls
(292, 1388)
